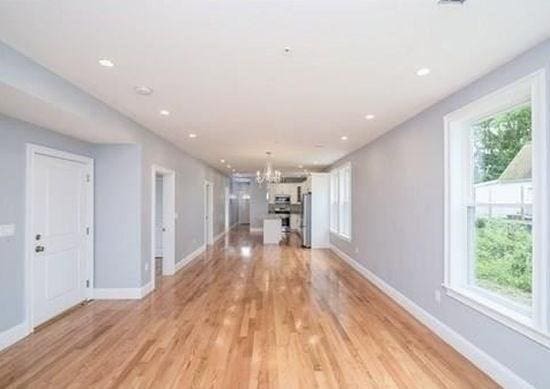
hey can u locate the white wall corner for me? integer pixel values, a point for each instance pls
(13, 335)
(493, 368)
(183, 262)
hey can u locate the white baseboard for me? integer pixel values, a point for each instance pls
(219, 236)
(181, 264)
(256, 229)
(122, 293)
(493, 368)
(14, 334)
(231, 227)
(146, 289)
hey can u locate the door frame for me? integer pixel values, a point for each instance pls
(34, 150)
(168, 220)
(208, 228)
(226, 207)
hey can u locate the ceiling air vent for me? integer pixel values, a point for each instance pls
(450, 1)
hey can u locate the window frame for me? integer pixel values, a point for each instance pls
(458, 199)
(340, 221)
(334, 202)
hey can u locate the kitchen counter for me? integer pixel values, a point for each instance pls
(272, 229)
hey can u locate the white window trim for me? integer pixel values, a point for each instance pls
(334, 188)
(536, 326)
(338, 230)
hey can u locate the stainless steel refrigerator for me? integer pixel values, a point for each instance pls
(306, 220)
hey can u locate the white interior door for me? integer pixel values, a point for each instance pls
(59, 207)
(159, 226)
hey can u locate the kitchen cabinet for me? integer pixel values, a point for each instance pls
(295, 221)
(286, 189)
(306, 185)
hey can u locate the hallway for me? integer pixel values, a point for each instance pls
(243, 315)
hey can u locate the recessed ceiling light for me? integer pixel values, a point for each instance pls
(300, 166)
(234, 170)
(222, 160)
(344, 137)
(143, 90)
(369, 116)
(316, 162)
(229, 166)
(106, 62)
(423, 72)
(164, 112)
(192, 135)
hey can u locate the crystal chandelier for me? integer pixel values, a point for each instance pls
(269, 175)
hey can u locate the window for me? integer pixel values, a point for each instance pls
(340, 201)
(496, 228)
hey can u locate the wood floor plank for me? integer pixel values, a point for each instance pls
(243, 315)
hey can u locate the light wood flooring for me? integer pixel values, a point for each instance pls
(243, 315)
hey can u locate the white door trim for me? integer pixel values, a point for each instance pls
(32, 151)
(168, 220)
(209, 196)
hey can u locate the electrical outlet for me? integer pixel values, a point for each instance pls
(437, 296)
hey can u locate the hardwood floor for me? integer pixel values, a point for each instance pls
(243, 315)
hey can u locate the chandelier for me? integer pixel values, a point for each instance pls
(269, 175)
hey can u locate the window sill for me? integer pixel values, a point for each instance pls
(508, 317)
(340, 236)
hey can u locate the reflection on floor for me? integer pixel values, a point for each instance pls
(243, 315)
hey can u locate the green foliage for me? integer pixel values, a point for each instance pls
(504, 254)
(497, 141)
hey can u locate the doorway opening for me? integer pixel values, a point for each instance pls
(59, 232)
(163, 229)
(244, 208)
(208, 213)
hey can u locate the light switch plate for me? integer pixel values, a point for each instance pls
(7, 230)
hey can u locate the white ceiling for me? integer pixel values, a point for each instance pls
(219, 65)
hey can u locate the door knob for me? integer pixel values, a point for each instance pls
(39, 249)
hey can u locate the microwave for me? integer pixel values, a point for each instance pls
(282, 199)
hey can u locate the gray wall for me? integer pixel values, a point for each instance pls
(14, 135)
(190, 177)
(398, 220)
(258, 204)
(50, 101)
(233, 204)
(117, 216)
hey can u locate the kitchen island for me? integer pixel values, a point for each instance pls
(272, 230)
